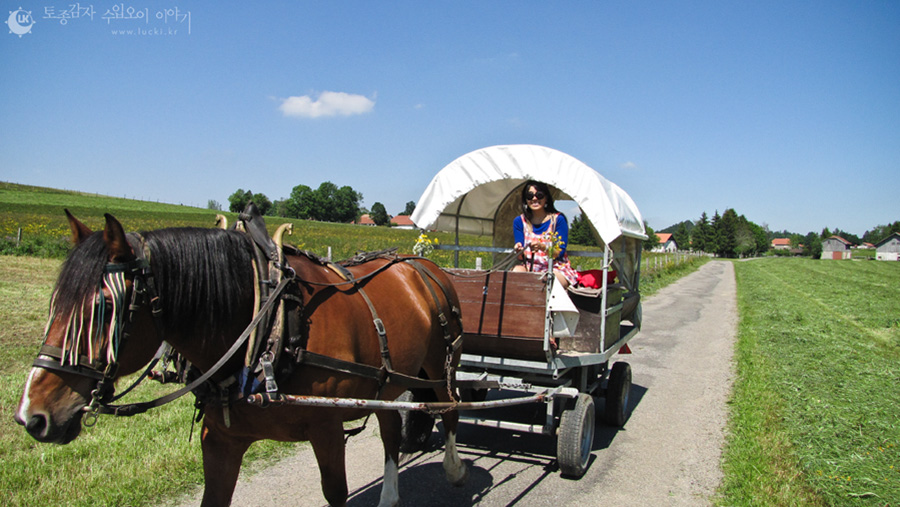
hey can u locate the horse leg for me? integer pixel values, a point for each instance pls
(222, 457)
(389, 426)
(454, 468)
(327, 439)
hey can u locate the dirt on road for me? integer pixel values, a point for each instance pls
(667, 453)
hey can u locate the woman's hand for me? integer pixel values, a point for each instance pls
(538, 246)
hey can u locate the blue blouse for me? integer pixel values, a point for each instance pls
(562, 228)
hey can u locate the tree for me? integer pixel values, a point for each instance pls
(682, 237)
(580, 232)
(379, 214)
(239, 200)
(410, 208)
(879, 232)
(652, 239)
(750, 239)
(279, 209)
(263, 203)
(213, 205)
(328, 203)
(727, 234)
(299, 203)
(346, 204)
(813, 246)
(715, 233)
(700, 235)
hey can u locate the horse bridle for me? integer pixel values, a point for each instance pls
(104, 367)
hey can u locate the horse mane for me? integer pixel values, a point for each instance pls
(79, 276)
(202, 275)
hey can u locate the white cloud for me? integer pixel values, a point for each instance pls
(326, 104)
(629, 165)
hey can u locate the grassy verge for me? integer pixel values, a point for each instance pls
(815, 407)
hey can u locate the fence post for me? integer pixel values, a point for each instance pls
(19, 237)
(328, 258)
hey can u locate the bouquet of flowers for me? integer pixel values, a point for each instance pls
(424, 245)
(554, 243)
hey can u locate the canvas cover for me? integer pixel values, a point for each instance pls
(478, 193)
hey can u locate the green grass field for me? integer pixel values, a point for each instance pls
(815, 412)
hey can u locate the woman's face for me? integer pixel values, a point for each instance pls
(535, 199)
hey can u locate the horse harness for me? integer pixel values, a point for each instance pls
(275, 338)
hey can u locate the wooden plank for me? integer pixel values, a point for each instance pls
(503, 313)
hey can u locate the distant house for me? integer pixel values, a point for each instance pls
(866, 246)
(888, 249)
(836, 248)
(402, 222)
(666, 243)
(365, 220)
(781, 244)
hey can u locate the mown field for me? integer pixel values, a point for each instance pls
(136, 461)
(815, 412)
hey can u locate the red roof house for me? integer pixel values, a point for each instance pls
(403, 222)
(365, 220)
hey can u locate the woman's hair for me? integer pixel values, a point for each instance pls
(540, 187)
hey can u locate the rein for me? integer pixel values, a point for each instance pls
(138, 408)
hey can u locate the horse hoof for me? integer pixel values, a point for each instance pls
(460, 481)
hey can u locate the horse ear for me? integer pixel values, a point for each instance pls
(80, 232)
(116, 242)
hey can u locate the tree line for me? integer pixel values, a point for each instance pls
(327, 203)
(727, 235)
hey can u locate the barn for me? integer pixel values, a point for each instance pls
(888, 249)
(836, 248)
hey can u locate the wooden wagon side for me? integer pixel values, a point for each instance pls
(506, 315)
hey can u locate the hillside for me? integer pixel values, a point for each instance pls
(38, 212)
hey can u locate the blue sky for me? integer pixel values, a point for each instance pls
(786, 111)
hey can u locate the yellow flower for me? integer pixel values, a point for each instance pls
(423, 246)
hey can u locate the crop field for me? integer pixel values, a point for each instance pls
(815, 412)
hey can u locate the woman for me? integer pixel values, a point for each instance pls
(534, 231)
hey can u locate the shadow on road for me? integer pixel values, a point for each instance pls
(495, 458)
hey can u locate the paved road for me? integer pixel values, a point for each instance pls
(667, 453)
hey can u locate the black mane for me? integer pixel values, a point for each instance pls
(201, 275)
(80, 275)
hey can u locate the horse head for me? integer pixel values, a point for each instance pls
(93, 334)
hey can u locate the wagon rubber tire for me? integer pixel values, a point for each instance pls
(415, 425)
(576, 437)
(617, 393)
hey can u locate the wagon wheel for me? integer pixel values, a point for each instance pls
(617, 394)
(416, 425)
(576, 437)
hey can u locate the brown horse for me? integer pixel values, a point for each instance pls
(204, 288)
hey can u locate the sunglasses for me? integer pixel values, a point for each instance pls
(531, 195)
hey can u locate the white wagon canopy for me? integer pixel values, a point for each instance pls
(479, 193)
